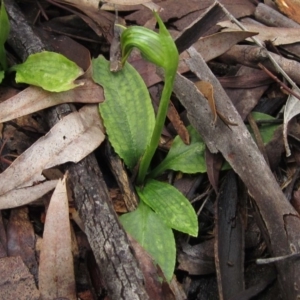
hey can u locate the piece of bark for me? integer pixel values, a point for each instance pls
(118, 169)
(3, 238)
(229, 241)
(107, 238)
(239, 149)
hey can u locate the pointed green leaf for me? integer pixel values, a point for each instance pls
(154, 235)
(127, 110)
(185, 158)
(173, 208)
(49, 70)
(4, 31)
(266, 130)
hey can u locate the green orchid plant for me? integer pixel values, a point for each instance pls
(161, 50)
(134, 132)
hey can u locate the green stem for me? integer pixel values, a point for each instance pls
(159, 123)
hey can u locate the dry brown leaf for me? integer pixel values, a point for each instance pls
(56, 271)
(278, 36)
(216, 44)
(208, 92)
(291, 8)
(86, 3)
(127, 2)
(292, 109)
(23, 196)
(15, 280)
(34, 99)
(71, 139)
(21, 239)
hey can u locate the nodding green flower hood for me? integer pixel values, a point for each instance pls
(158, 48)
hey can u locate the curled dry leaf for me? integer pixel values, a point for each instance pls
(71, 139)
(56, 271)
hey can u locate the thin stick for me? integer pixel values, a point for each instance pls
(282, 84)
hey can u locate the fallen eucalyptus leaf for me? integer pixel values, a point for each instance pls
(26, 195)
(34, 99)
(71, 139)
(56, 270)
(278, 36)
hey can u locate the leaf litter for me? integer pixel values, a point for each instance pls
(80, 133)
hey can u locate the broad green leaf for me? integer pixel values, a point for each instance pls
(266, 130)
(185, 158)
(49, 70)
(4, 31)
(173, 208)
(127, 111)
(1, 76)
(154, 235)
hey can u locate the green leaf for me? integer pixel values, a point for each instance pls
(173, 208)
(185, 158)
(127, 110)
(4, 31)
(49, 70)
(1, 76)
(266, 130)
(154, 235)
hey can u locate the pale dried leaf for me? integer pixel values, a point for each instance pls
(94, 4)
(56, 271)
(23, 196)
(292, 109)
(127, 2)
(71, 139)
(278, 36)
(34, 99)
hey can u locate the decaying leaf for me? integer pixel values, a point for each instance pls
(25, 195)
(21, 239)
(15, 280)
(216, 44)
(292, 108)
(208, 92)
(127, 2)
(56, 271)
(34, 99)
(71, 139)
(278, 36)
